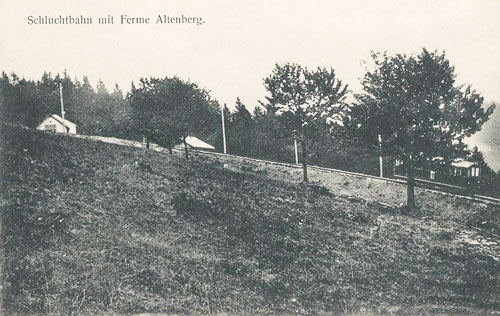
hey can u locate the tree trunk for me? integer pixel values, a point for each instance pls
(185, 148)
(304, 159)
(170, 149)
(410, 183)
(145, 139)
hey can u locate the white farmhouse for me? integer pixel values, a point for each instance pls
(55, 123)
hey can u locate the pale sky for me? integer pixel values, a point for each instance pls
(242, 40)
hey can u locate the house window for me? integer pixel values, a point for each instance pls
(50, 127)
(475, 172)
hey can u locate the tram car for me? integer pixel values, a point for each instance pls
(459, 172)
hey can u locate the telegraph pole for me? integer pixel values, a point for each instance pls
(223, 129)
(296, 151)
(62, 106)
(380, 160)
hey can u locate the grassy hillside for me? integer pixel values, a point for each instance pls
(94, 228)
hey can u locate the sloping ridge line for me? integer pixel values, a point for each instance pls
(123, 142)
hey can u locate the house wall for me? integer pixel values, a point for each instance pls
(72, 130)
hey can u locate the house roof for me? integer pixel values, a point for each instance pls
(461, 163)
(60, 120)
(198, 143)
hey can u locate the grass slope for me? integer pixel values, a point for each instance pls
(93, 228)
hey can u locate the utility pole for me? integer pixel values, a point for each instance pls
(223, 129)
(381, 162)
(296, 151)
(62, 106)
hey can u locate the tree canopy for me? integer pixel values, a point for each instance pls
(417, 107)
(166, 110)
(305, 100)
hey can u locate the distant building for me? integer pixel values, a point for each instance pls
(196, 143)
(55, 123)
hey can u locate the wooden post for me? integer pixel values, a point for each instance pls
(145, 141)
(304, 159)
(296, 151)
(62, 106)
(185, 148)
(223, 130)
(381, 161)
(410, 182)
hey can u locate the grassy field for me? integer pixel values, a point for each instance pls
(100, 229)
(430, 202)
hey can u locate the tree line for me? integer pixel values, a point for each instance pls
(412, 102)
(95, 111)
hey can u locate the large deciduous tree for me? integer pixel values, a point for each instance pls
(166, 110)
(417, 107)
(304, 101)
